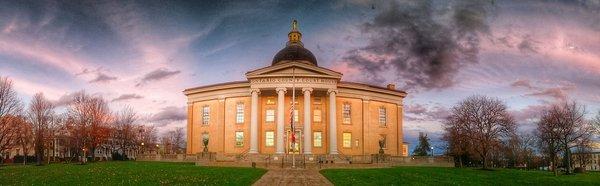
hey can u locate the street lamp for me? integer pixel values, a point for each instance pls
(432, 151)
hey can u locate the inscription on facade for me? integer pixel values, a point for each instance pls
(293, 80)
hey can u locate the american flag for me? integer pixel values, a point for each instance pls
(292, 125)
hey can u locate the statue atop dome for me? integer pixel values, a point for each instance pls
(294, 37)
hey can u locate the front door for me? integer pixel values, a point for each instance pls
(294, 148)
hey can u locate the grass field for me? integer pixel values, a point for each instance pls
(127, 173)
(454, 176)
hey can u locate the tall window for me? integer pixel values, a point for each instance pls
(239, 138)
(239, 113)
(270, 115)
(269, 138)
(317, 116)
(347, 140)
(346, 113)
(317, 139)
(205, 115)
(382, 116)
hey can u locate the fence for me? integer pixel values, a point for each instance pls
(300, 160)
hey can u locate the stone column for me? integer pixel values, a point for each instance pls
(280, 119)
(190, 128)
(332, 123)
(399, 126)
(307, 121)
(365, 127)
(254, 121)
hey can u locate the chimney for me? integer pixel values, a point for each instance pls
(391, 86)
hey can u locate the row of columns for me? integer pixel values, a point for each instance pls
(281, 124)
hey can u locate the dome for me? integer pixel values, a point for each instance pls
(294, 49)
(294, 53)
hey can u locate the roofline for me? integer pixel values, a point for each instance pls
(293, 61)
(372, 86)
(215, 86)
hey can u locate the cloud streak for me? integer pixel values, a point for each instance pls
(157, 75)
(103, 78)
(168, 115)
(124, 97)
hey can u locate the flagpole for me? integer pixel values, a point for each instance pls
(293, 117)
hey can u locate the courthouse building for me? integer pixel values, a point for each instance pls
(330, 116)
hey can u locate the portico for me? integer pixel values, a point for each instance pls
(305, 79)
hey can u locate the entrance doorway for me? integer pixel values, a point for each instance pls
(294, 148)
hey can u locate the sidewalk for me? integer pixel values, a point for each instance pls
(292, 177)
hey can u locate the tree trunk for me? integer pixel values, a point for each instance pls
(568, 152)
(485, 166)
(554, 169)
(25, 154)
(93, 151)
(460, 162)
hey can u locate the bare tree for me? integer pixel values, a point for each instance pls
(560, 128)
(123, 130)
(88, 119)
(596, 123)
(583, 149)
(458, 146)
(574, 128)
(10, 108)
(41, 116)
(549, 136)
(24, 136)
(483, 121)
(147, 138)
(178, 138)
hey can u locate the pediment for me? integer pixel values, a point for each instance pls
(297, 69)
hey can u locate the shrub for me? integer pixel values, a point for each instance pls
(579, 170)
(119, 157)
(20, 158)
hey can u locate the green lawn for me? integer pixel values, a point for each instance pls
(454, 176)
(127, 173)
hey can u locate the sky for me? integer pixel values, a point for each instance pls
(143, 54)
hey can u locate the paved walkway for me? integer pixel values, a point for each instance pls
(292, 177)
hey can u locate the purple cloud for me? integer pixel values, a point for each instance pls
(102, 78)
(522, 83)
(156, 75)
(168, 115)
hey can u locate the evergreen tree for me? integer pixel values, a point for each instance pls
(423, 148)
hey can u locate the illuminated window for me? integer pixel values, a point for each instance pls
(205, 115)
(270, 115)
(270, 101)
(382, 116)
(269, 138)
(347, 140)
(317, 139)
(239, 138)
(239, 114)
(346, 113)
(317, 116)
